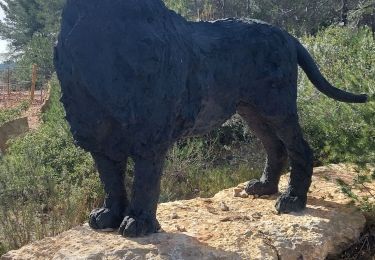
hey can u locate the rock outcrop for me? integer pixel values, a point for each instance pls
(224, 227)
(11, 130)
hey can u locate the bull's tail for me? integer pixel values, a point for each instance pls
(308, 64)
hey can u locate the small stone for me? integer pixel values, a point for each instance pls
(174, 215)
(180, 228)
(205, 237)
(248, 233)
(256, 215)
(225, 219)
(237, 217)
(224, 206)
(246, 218)
(209, 201)
(237, 192)
(212, 210)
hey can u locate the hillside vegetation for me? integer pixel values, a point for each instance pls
(8, 114)
(340, 132)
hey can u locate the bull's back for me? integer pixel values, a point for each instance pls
(251, 62)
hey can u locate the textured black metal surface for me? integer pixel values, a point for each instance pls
(136, 76)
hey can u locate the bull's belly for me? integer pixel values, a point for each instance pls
(211, 116)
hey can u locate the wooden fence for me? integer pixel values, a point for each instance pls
(15, 88)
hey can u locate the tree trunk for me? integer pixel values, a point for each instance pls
(224, 6)
(248, 7)
(196, 7)
(344, 12)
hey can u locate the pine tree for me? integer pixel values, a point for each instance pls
(31, 28)
(25, 18)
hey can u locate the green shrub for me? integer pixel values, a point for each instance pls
(202, 166)
(7, 115)
(340, 132)
(47, 185)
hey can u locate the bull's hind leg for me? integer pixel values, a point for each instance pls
(113, 210)
(276, 153)
(301, 160)
(141, 215)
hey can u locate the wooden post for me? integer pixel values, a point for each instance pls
(344, 12)
(224, 9)
(3, 92)
(41, 94)
(373, 21)
(248, 7)
(8, 82)
(33, 82)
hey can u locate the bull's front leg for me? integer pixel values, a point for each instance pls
(141, 215)
(110, 215)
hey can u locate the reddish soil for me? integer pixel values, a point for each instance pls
(13, 99)
(16, 98)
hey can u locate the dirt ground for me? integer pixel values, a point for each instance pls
(13, 99)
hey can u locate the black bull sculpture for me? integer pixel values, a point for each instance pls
(136, 77)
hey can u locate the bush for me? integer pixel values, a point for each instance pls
(7, 115)
(202, 166)
(47, 184)
(340, 132)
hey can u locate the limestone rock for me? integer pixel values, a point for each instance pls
(251, 229)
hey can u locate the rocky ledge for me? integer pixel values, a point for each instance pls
(228, 226)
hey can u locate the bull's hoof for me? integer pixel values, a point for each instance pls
(287, 203)
(105, 218)
(256, 187)
(138, 226)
